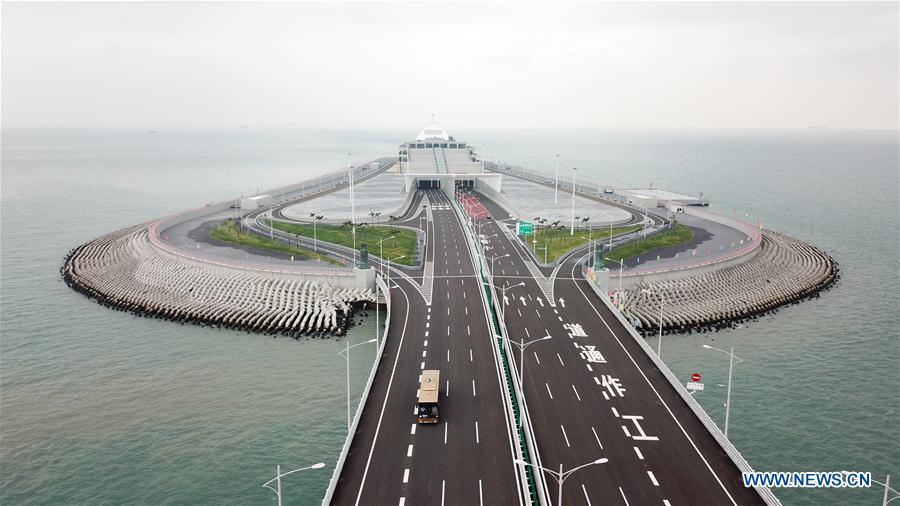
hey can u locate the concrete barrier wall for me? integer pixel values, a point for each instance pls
(348, 441)
(698, 410)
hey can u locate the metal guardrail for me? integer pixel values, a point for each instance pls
(523, 434)
(726, 445)
(342, 457)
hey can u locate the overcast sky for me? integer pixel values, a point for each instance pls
(708, 65)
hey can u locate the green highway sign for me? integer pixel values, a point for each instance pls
(524, 228)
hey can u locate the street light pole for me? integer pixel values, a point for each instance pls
(621, 268)
(561, 476)
(279, 475)
(346, 355)
(731, 364)
(522, 345)
(556, 185)
(572, 227)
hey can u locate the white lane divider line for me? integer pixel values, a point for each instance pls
(666, 502)
(576, 393)
(477, 439)
(409, 451)
(623, 496)
(638, 451)
(565, 436)
(448, 330)
(538, 313)
(625, 429)
(597, 381)
(560, 359)
(528, 334)
(596, 437)
(448, 354)
(426, 333)
(443, 485)
(422, 367)
(406, 475)
(424, 352)
(560, 318)
(412, 430)
(473, 389)
(402, 501)
(466, 308)
(590, 369)
(653, 478)
(448, 310)
(468, 331)
(615, 412)
(426, 343)
(480, 495)
(586, 498)
(448, 389)
(551, 393)
(605, 395)
(445, 432)
(470, 355)
(536, 358)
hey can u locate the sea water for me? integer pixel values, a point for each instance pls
(98, 406)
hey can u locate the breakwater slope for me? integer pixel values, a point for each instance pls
(124, 270)
(785, 271)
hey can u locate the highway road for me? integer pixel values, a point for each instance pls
(592, 392)
(468, 457)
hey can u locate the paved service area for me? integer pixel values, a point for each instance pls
(383, 194)
(537, 200)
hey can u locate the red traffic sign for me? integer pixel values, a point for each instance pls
(695, 377)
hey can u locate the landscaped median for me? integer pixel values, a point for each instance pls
(665, 239)
(229, 231)
(402, 246)
(560, 240)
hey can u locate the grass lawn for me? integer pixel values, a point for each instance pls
(403, 243)
(559, 241)
(229, 231)
(679, 235)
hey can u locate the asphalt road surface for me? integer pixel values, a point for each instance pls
(467, 458)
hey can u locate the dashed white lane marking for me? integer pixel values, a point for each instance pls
(653, 478)
(538, 313)
(597, 381)
(424, 352)
(422, 367)
(560, 360)
(473, 389)
(605, 395)
(565, 436)
(426, 343)
(467, 310)
(666, 502)
(576, 393)
(477, 439)
(427, 325)
(536, 358)
(625, 429)
(638, 451)
(526, 332)
(447, 390)
(448, 330)
(623, 496)
(470, 356)
(413, 429)
(427, 317)
(520, 312)
(448, 354)
(551, 393)
(615, 412)
(590, 369)
(560, 318)
(597, 438)
(445, 432)
(426, 333)
(464, 295)
(468, 331)
(402, 501)
(406, 475)
(586, 498)
(480, 495)
(443, 484)
(409, 451)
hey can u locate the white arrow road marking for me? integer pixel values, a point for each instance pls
(562, 302)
